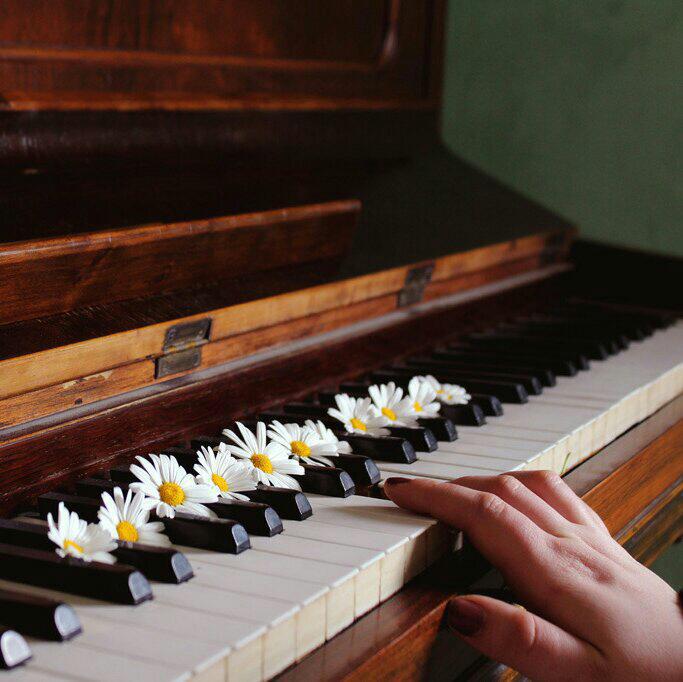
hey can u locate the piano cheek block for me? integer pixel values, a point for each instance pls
(13, 649)
(326, 481)
(218, 535)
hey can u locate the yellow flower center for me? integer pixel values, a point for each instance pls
(440, 391)
(389, 414)
(262, 462)
(417, 406)
(300, 448)
(127, 531)
(172, 494)
(71, 543)
(358, 424)
(220, 482)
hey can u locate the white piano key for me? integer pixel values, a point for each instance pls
(496, 452)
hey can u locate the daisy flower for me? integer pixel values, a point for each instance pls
(168, 488)
(390, 403)
(448, 394)
(222, 471)
(126, 519)
(341, 447)
(358, 415)
(302, 443)
(423, 397)
(76, 538)
(269, 462)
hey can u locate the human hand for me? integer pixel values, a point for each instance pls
(594, 613)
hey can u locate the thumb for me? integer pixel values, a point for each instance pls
(511, 635)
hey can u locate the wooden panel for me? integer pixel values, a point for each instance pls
(68, 362)
(45, 277)
(213, 54)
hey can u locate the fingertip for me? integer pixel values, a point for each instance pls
(465, 616)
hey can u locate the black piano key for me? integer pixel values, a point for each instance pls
(164, 564)
(122, 474)
(256, 517)
(558, 365)
(94, 487)
(218, 535)
(289, 504)
(38, 616)
(420, 437)
(502, 341)
(207, 442)
(362, 469)
(489, 404)
(385, 448)
(613, 334)
(602, 344)
(531, 383)
(14, 651)
(506, 392)
(465, 415)
(109, 582)
(443, 429)
(187, 457)
(325, 481)
(545, 375)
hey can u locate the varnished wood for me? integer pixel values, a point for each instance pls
(58, 51)
(400, 639)
(55, 360)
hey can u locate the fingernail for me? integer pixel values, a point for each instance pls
(396, 480)
(465, 617)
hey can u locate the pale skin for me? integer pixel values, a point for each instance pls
(591, 611)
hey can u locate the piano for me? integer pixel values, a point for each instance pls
(217, 212)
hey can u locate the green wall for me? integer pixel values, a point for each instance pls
(578, 104)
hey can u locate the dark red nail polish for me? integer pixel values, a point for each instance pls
(465, 617)
(396, 480)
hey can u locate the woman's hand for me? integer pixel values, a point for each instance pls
(594, 612)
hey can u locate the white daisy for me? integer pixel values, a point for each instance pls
(423, 397)
(222, 471)
(76, 538)
(269, 462)
(169, 488)
(390, 403)
(302, 443)
(340, 446)
(358, 415)
(126, 519)
(448, 394)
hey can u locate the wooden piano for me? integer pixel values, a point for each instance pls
(215, 211)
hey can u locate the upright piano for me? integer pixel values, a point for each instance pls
(222, 211)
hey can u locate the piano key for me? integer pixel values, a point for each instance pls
(289, 504)
(506, 392)
(442, 428)
(37, 616)
(575, 352)
(489, 404)
(256, 517)
(326, 481)
(604, 343)
(117, 582)
(531, 383)
(14, 650)
(156, 563)
(384, 448)
(557, 361)
(470, 414)
(362, 469)
(543, 374)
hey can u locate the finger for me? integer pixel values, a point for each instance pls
(531, 645)
(500, 532)
(516, 494)
(550, 487)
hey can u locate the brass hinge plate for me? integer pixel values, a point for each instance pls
(186, 335)
(413, 288)
(173, 363)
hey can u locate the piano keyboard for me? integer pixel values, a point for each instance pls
(249, 615)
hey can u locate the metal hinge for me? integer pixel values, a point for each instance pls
(182, 348)
(413, 288)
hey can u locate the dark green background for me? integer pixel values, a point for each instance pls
(578, 104)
